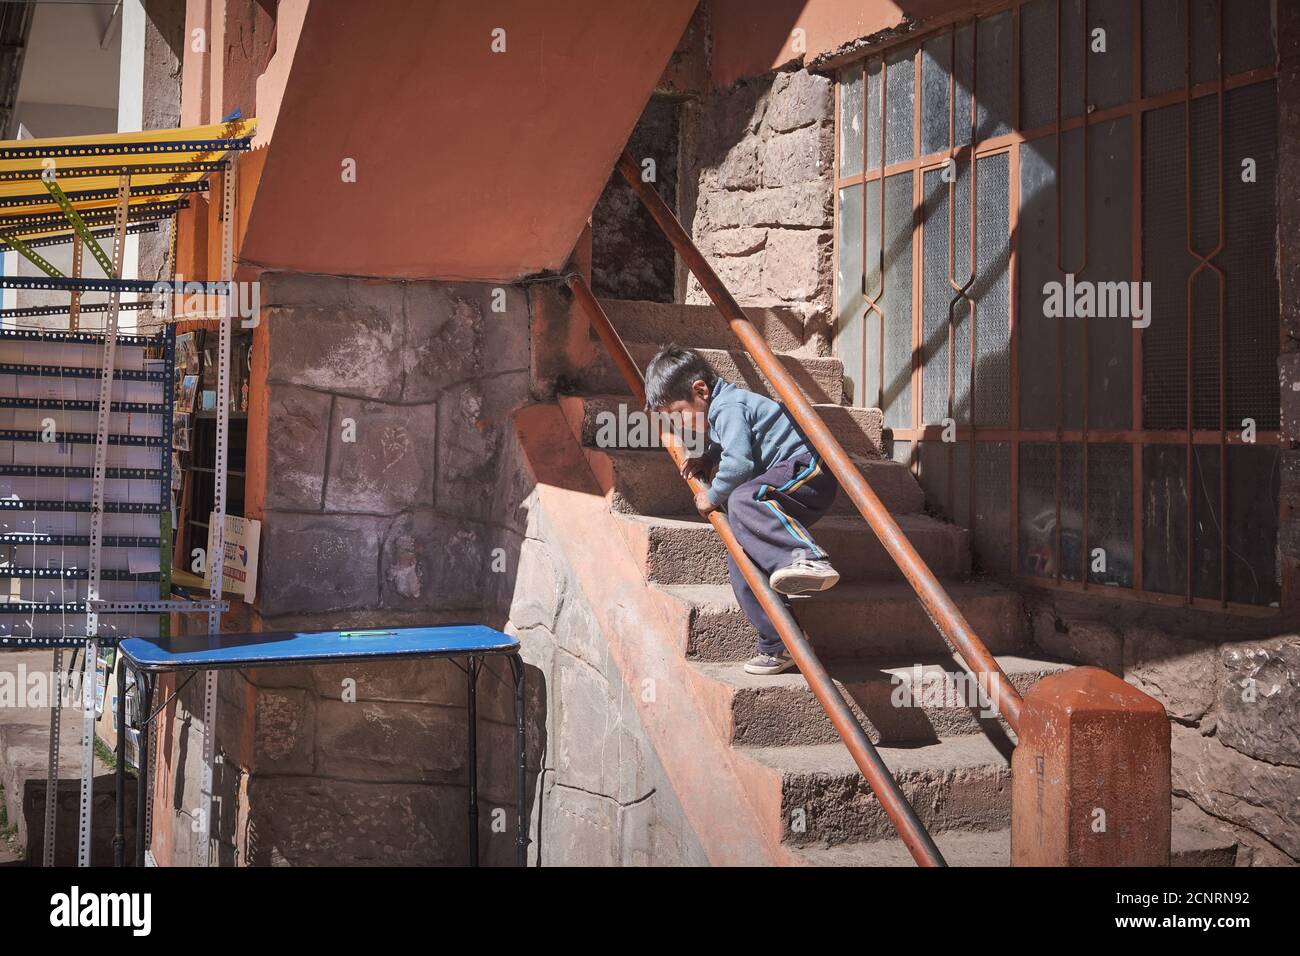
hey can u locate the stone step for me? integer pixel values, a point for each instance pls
(615, 422)
(781, 710)
(1198, 839)
(820, 378)
(959, 848)
(647, 483)
(702, 326)
(960, 783)
(686, 551)
(1189, 846)
(865, 620)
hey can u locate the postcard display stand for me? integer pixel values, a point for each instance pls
(50, 384)
(85, 464)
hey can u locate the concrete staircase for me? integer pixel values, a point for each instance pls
(952, 762)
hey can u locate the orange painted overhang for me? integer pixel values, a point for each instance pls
(469, 164)
(751, 37)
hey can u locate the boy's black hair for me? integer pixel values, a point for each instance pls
(670, 374)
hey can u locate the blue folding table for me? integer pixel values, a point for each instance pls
(149, 657)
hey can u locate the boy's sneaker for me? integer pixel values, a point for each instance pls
(769, 664)
(803, 576)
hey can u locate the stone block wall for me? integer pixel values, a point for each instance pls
(387, 403)
(1232, 693)
(757, 167)
(631, 258)
(602, 797)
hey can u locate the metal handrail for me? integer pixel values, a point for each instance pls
(864, 753)
(973, 655)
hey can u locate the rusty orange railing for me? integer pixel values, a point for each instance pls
(864, 753)
(938, 604)
(952, 625)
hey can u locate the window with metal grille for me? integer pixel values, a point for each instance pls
(1056, 275)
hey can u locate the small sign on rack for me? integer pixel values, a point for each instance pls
(239, 570)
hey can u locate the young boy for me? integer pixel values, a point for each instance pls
(769, 480)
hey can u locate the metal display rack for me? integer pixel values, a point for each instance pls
(47, 473)
(125, 507)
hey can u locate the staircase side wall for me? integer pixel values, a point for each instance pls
(632, 771)
(599, 796)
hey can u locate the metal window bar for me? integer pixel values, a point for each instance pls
(1060, 321)
(961, 293)
(1204, 261)
(1138, 105)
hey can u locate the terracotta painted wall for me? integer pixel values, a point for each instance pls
(751, 37)
(470, 163)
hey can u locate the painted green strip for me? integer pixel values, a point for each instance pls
(79, 225)
(34, 257)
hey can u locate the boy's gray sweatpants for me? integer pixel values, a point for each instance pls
(770, 516)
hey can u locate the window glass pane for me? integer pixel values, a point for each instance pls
(1072, 555)
(851, 120)
(1037, 64)
(1248, 36)
(900, 118)
(1037, 519)
(993, 79)
(1110, 514)
(1164, 50)
(1249, 260)
(1073, 57)
(1036, 256)
(936, 299)
(1110, 71)
(991, 533)
(1254, 482)
(965, 54)
(933, 473)
(1110, 270)
(871, 395)
(1207, 523)
(992, 291)
(936, 75)
(848, 284)
(1164, 518)
(1205, 40)
(873, 107)
(1166, 266)
(896, 302)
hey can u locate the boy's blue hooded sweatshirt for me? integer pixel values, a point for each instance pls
(748, 435)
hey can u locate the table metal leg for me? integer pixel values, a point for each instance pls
(471, 671)
(145, 684)
(119, 834)
(521, 782)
